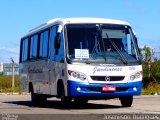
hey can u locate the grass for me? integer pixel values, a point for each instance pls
(9, 90)
(151, 89)
(6, 84)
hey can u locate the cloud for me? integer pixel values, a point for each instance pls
(6, 53)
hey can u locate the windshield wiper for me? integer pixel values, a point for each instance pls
(117, 49)
(96, 48)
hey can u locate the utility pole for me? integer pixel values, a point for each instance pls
(13, 85)
(149, 67)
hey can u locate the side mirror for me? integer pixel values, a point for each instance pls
(57, 43)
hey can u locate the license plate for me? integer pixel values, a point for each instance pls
(108, 88)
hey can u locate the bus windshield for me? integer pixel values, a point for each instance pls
(105, 43)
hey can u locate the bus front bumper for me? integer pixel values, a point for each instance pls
(77, 89)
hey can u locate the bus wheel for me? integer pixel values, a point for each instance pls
(42, 99)
(80, 100)
(38, 99)
(64, 99)
(34, 98)
(126, 101)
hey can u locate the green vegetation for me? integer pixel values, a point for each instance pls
(151, 71)
(6, 84)
(151, 89)
(151, 78)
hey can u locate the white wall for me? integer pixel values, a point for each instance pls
(1, 67)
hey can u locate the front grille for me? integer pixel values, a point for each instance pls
(107, 78)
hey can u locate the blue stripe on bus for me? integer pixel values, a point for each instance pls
(92, 90)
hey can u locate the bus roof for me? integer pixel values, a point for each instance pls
(64, 21)
(87, 20)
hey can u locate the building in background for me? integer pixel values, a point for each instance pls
(7, 69)
(1, 68)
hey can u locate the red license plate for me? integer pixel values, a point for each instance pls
(109, 88)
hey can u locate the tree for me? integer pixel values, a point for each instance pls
(147, 52)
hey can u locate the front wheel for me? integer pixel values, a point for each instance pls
(34, 98)
(38, 99)
(126, 101)
(80, 100)
(64, 99)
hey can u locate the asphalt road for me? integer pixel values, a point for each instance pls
(20, 106)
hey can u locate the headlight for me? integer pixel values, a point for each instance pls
(135, 76)
(77, 75)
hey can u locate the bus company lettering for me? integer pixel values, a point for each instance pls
(105, 69)
(35, 70)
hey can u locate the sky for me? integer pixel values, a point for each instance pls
(17, 17)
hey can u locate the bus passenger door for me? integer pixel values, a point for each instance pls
(43, 82)
(51, 63)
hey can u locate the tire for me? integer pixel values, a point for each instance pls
(34, 98)
(64, 99)
(126, 101)
(38, 99)
(80, 100)
(42, 99)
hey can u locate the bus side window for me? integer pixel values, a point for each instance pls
(56, 45)
(52, 38)
(24, 52)
(33, 47)
(44, 44)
